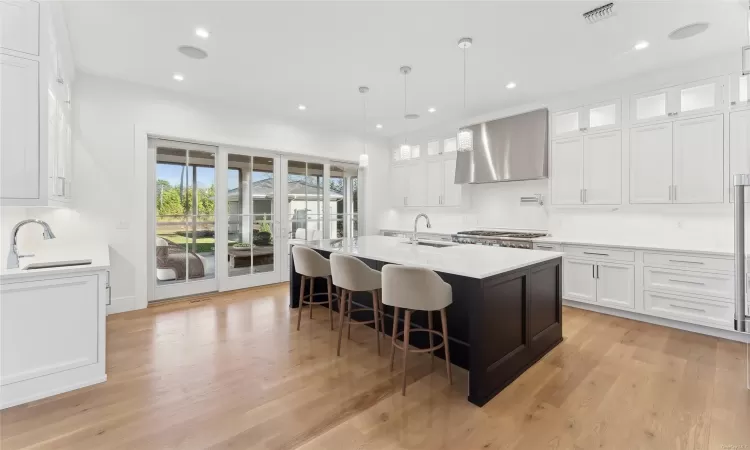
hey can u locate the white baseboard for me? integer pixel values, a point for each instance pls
(51, 392)
(122, 304)
(716, 332)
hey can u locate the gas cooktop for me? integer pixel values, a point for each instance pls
(513, 239)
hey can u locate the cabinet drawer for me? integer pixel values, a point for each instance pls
(688, 261)
(548, 247)
(689, 309)
(697, 283)
(601, 254)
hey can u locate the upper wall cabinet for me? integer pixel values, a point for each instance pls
(19, 26)
(587, 119)
(587, 170)
(679, 162)
(739, 86)
(689, 99)
(36, 139)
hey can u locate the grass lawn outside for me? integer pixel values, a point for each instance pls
(204, 245)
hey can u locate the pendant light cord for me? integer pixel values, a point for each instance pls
(364, 123)
(406, 122)
(464, 80)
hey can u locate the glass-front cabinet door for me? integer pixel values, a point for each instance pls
(699, 97)
(603, 116)
(649, 106)
(738, 89)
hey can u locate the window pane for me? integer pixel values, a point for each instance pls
(449, 145)
(698, 97)
(171, 250)
(652, 106)
(415, 151)
(262, 187)
(251, 244)
(603, 116)
(201, 246)
(263, 244)
(200, 176)
(296, 204)
(238, 187)
(565, 123)
(433, 148)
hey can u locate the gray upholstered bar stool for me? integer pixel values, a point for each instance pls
(352, 275)
(310, 265)
(416, 289)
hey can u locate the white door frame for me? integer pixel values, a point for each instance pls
(178, 289)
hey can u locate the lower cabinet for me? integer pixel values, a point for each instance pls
(53, 336)
(602, 282)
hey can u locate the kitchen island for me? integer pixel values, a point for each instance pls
(507, 305)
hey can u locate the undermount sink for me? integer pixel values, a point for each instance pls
(48, 265)
(433, 244)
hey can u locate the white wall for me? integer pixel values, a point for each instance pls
(108, 174)
(497, 204)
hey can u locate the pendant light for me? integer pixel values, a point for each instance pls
(405, 150)
(465, 136)
(364, 160)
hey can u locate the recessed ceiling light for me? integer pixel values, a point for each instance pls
(510, 85)
(178, 77)
(202, 33)
(688, 31)
(301, 107)
(432, 110)
(379, 126)
(640, 45)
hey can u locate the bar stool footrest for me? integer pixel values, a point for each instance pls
(422, 350)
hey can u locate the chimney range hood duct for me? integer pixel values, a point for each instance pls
(509, 149)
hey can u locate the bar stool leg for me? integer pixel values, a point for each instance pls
(301, 299)
(444, 320)
(330, 302)
(432, 344)
(310, 294)
(349, 316)
(342, 313)
(407, 326)
(376, 319)
(382, 312)
(393, 335)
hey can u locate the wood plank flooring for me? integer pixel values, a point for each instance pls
(230, 371)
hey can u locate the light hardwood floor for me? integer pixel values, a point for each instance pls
(230, 371)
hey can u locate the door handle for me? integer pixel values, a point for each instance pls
(593, 271)
(697, 283)
(596, 254)
(597, 271)
(687, 307)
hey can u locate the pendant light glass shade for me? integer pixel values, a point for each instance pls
(364, 160)
(465, 139)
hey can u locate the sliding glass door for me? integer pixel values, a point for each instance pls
(222, 218)
(183, 252)
(252, 224)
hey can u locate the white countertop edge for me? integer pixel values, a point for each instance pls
(635, 246)
(98, 254)
(541, 257)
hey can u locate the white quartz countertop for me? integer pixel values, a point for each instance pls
(473, 261)
(58, 250)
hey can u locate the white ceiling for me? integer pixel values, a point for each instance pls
(271, 56)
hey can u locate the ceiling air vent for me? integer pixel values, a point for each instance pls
(599, 14)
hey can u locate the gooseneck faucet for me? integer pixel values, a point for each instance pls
(416, 220)
(13, 255)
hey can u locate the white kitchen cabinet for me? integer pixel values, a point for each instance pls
(19, 121)
(698, 156)
(651, 164)
(53, 335)
(567, 171)
(35, 154)
(685, 100)
(579, 280)
(587, 119)
(417, 181)
(602, 169)
(399, 185)
(19, 26)
(739, 147)
(615, 285)
(434, 182)
(451, 190)
(587, 170)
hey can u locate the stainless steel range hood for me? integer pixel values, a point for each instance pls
(508, 149)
